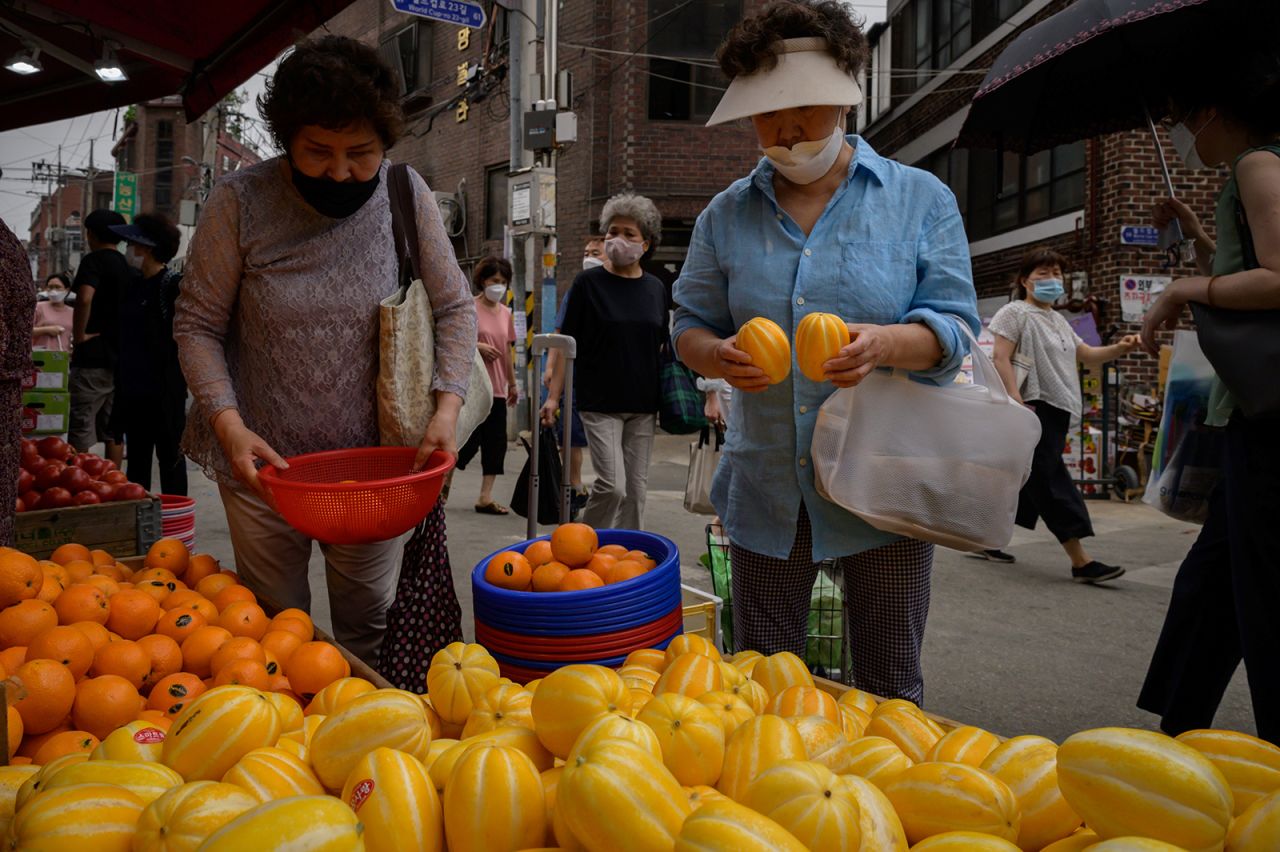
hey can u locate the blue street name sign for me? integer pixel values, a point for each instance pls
(1139, 235)
(461, 12)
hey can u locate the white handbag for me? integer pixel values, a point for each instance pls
(407, 348)
(704, 458)
(940, 464)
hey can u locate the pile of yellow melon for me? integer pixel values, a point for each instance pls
(677, 750)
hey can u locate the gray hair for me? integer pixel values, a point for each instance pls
(636, 207)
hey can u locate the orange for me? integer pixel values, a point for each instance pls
(50, 588)
(124, 659)
(32, 743)
(126, 573)
(55, 570)
(165, 655)
(14, 724)
(179, 597)
(71, 553)
(80, 570)
(81, 602)
(299, 614)
(13, 657)
(169, 554)
(198, 567)
(573, 544)
(157, 589)
(105, 703)
(94, 632)
(157, 718)
(615, 550)
(600, 563)
(282, 644)
(171, 694)
(198, 649)
(231, 594)
(509, 570)
(101, 558)
(106, 585)
(205, 607)
(580, 578)
(273, 663)
(547, 578)
(50, 692)
(180, 623)
(243, 618)
(162, 575)
(20, 577)
(114, 571)
(315, 665)
(237, 648)
(214, 583)
(134, 613)
(66, 645)
(244, 672)
(624, 570)
(62, 743)
(296, 626)
(24, 621)
(539, 553)
(280, 683)
(641, 557)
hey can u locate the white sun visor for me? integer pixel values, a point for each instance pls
(806, 75)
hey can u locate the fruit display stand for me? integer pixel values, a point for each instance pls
(126, 528)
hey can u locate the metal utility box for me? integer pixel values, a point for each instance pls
(533, 201)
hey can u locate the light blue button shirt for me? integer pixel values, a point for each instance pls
(889, 248)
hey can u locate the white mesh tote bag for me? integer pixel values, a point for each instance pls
(941, 464)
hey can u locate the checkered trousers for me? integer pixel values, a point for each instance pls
(886, 604)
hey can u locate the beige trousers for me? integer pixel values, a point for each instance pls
(272, 557)
(620, 446)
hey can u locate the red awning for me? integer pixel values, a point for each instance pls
(201, 51)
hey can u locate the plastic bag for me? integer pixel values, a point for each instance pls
(704, 457)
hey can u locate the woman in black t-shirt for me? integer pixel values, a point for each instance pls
(617, 313)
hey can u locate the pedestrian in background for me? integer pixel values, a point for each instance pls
(17, 304)
(54, 318)
(1043, 341)
(617, 313)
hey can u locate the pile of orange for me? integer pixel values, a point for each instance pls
(88, 645)
(571, 560)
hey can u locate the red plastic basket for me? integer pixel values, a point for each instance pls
(384, 499)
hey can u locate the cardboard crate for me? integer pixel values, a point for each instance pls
(50, 371)
(46, 412)
(122, 529)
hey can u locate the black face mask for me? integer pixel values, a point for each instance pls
(331, 198)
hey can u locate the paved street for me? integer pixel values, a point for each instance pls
(1015, 648)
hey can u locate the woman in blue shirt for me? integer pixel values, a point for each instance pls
(822, 223)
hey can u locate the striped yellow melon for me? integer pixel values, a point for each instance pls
(217, 729)
(436, 749)
(1127, 782)
(1250, 765)
(304, 732)
(550, 789)
(441, 769)
(853, 721)
(1077, 842)
(36, 783)
(819, 735)
(690, 674)
(964, 841)
(700, 795)
(645, 678)
(690, 643)
(761, 742)
(767, 344)
(137, 741)
(1029, 765)
(896, 704)
(501, 705)
(730, 708)
(864, 701)
(639, 698)
(337, 695)
(729, 827)
(393, 797)
(778, 671)
(298, 823)
(487, 775)
(272, 773)
(147, 781)
(933, 798)
(610, 726)
(819, 338)
(11, 778)
(390, 718)
(184, 817)
(520, 739)
(1135, 844)
(756, 696)
(295, 748)
(965, 744)
(570, 698)
(1258, 828)
(809, 801)
(908, 730)
(804, 701)
(615, 795)
(458, 675)
(746, 661)
(877, 759)
(434, 722)
(691, 737)
(731, 676)
(291, 715)
(878, 822)
(83, 817)
(560, 831)
(650, 658)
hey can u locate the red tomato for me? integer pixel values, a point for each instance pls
(30, 498)
(74, 480)
(104, 490)
(93, 465)
(115, 477)
(33, 463)
(53, 447)
(26, 480)
(55, 498)
(47, 477)
(131, 491)
(29, 447)
(86, 498)
(18, 505)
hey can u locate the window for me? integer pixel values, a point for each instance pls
(679, 90)
(101, 201)
(408, 51)
(929, 35)
(495, 201)
(164, 165)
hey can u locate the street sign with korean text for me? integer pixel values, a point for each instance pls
(1137, 292)
(464, 13)
(1139, 235)
(125, 200)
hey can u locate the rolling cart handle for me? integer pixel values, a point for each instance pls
(569, 348)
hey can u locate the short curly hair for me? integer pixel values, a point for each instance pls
(333, 82)
(636, 207)
(752, 45)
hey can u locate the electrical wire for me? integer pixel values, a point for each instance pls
(644, 23)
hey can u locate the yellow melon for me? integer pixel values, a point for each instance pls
(441, 769)
(908, 730)
(390, 718)
(304, 732)
(396, 802)
(184, 817)
(272, 773)
(853, 721)
(878, 822)
(690, 643)
(1135, 844)
(690, 674)
(729, 827)
(819, 338)
(458, 675)
(1029, 765)
(965, 744)
(302, 823)
(933, 798)
(730, 708)
(217, 729)
(639, 698)
(700, 795)
(36, 783)
(611, 726)
(640, 676)
(650, 658)
(520, 739)
(767, 344)
(756, 696)
(1127, 782)
(136, 741)
(778, 671)
(761, 742)
(11, 778)
(864, 701)
(337, 695)
(691, 736)
(731, 676)
(1077, 842)
(501, 705)
(804, 701)
(486, 775)
(809, 801)
(1258, 828)
(550, 790)
(570, 698)
(147, 781)
(746, 661)
(1250, 765)
(964, 841)
(819, 734)
(98, 817)
(291, 715)
(875, 758)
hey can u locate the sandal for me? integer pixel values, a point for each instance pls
(492, 508)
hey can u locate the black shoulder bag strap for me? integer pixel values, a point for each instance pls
(404, 224)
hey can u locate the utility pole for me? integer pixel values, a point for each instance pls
(550, 79)
(523, 60)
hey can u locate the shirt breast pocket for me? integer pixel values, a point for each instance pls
(877, 281)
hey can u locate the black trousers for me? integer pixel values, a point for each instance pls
(153, 427)
(490, 440)
(1226, 595)
(1050, 494)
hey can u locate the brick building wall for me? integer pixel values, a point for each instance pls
(64, 209)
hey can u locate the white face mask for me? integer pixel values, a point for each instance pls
(591, 262)
(57, 296)
(805, 162)
(495, 292)
(1184, 142)
(134, 259)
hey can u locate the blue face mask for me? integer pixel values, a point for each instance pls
(1048, 290)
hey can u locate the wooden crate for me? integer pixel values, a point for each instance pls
(122, 529)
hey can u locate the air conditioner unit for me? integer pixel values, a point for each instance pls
(54, 235)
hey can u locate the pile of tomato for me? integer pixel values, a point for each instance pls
(55, 476)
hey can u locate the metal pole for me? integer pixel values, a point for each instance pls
(524, 60)
(568, 349)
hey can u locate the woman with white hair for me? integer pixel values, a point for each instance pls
(617, 313)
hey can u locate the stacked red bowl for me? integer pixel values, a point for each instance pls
(178, 519)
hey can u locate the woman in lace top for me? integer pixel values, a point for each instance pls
(277, 325)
